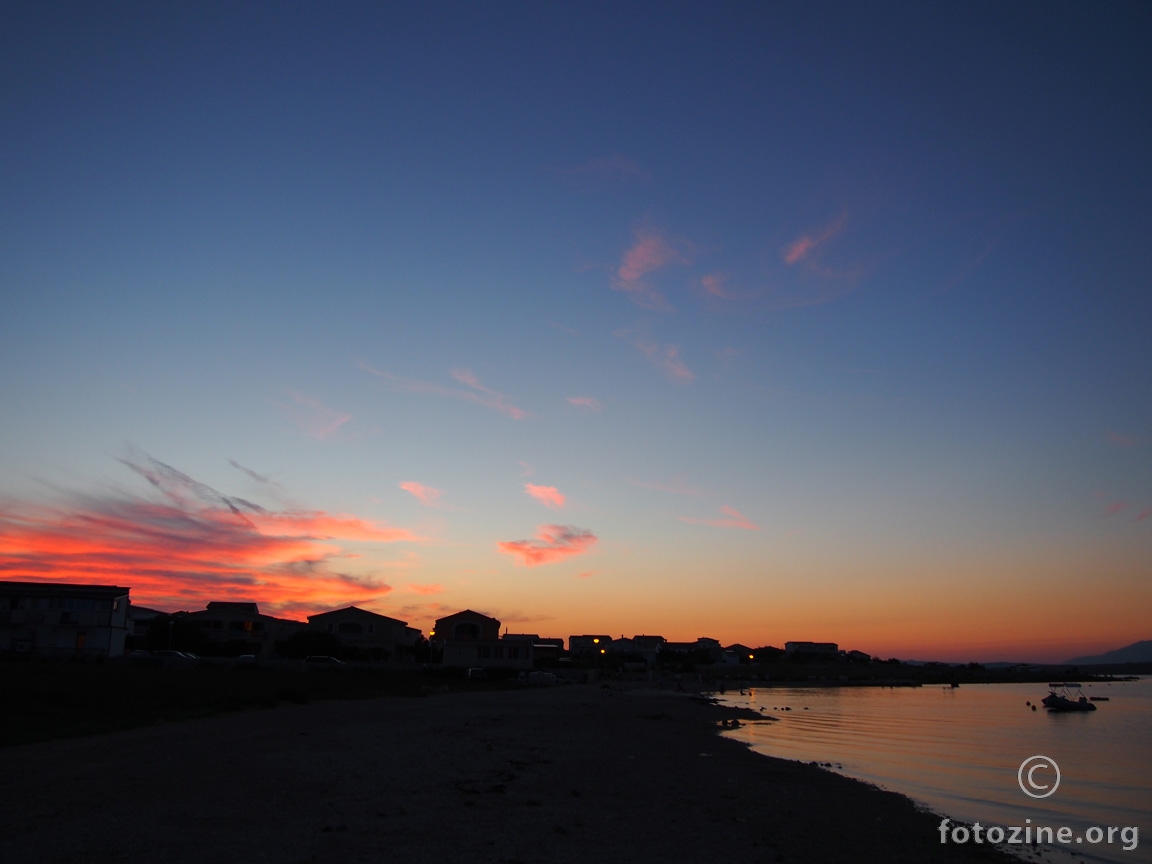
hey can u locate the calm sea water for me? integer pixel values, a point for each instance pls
(958, 751)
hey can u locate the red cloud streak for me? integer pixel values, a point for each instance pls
(552, 543)
(197, 546)
(736, 520)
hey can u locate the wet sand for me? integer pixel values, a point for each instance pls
(565, 774)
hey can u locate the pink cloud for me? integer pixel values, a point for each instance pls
(587, 574)
(426, 495)
(549, 496)
(552, 543)
(1122, 440)
(426, 589)
(1143, 514)
(1115, 507)
(665, 357)
(736, 520)
(483, 396)
(650, 252)
(526, 470)
(714, 285)
(799, 249)
(585, 402)
(315, 418)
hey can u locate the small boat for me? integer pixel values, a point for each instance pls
(1066, 696)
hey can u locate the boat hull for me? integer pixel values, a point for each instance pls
(1058, 703)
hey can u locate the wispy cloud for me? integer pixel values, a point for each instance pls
(716, 285)
(426, 589)
(1115, 507)
(651, 251)
(677, 485)
(1143, 514)
(549, 496)
(259, 478)
(780, 298)
(587, 574)
(585, 402)
(803, 246)
(614, 168)
(665, 357)
(552, 543)
(478, 395)
(422, 612)
(191, 544)
(426, 495)
(315, 418)
(735, 519)
(1118, 440)
(969, 268)
(526, 470)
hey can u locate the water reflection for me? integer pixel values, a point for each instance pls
(958, 750)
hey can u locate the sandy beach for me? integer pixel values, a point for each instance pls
(565, 774)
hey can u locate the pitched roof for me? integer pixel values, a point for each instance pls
(355, 611)
(468, 612)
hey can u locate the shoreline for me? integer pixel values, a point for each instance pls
(563, 774)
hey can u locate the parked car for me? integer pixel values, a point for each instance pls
(322, 661)
(176, 659)
(476, 674)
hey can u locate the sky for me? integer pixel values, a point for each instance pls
(762, 322)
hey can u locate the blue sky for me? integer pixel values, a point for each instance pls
(826, 321)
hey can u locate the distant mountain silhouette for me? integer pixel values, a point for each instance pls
(1137, 652)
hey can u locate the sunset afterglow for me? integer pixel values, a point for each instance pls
(718, 322)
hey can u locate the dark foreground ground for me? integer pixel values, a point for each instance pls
(581, 773)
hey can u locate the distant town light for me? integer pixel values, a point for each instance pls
(601, 650)
(595, 641)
